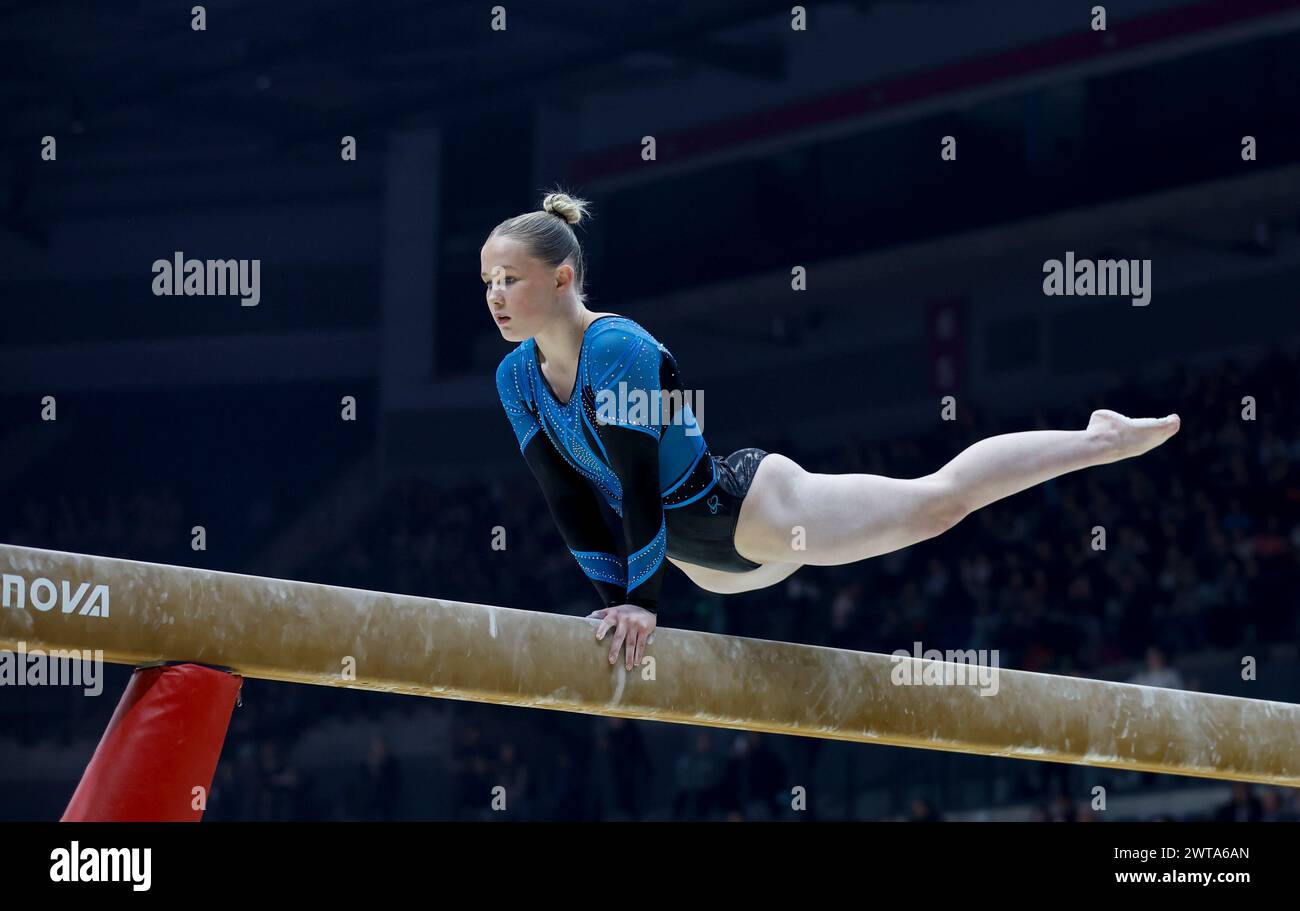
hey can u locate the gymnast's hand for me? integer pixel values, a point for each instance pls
(629, 622)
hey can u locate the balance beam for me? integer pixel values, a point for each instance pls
(300, 632)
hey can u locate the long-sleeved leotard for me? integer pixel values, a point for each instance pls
(641, 459)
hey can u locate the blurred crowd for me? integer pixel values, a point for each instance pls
(1189, 550)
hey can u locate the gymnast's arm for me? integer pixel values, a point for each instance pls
(577, 514)
(634, 457)
(571, 499)
(627, 363)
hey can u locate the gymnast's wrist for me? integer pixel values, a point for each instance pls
(650, 604)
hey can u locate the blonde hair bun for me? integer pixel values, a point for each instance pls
(571, 209)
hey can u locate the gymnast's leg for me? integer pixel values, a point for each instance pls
(728, 583)
(795, 516)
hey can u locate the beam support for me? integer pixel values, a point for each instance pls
(300, 632)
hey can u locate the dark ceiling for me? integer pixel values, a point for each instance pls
(287, 72)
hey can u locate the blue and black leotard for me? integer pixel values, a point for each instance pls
(651, 467)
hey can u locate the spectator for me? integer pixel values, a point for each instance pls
(1157, 673)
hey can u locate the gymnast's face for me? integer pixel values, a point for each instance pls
(522, 292)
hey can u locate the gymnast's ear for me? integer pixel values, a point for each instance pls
(563, 276)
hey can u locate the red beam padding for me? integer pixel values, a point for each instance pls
(162, 745)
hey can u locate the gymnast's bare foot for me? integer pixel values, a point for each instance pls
(1124, 438)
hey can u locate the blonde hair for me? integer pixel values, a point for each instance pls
(548, 234)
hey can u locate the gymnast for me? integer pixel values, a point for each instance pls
(730, 524)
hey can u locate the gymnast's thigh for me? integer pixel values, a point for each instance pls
(728, 583)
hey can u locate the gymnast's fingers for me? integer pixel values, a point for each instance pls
(633, 639)
(642, 635)
(608, 622)
(619, 636)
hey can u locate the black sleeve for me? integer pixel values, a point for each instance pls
(577, 514)
(634, 457)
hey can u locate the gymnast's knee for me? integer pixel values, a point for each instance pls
(945, 504)
(720, 583)
(723, 588)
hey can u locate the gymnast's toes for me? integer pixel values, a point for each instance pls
(1124, 437)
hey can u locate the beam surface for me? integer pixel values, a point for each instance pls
(301, 632)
